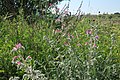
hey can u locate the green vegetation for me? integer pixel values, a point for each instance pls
(60, 47)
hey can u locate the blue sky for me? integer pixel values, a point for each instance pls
(93, 6)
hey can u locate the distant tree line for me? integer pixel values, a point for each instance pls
(117, 13)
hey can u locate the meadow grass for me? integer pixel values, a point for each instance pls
(73, 49)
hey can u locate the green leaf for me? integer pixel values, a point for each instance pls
(1, 71)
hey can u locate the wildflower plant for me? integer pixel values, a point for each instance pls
(26, 65)
(59, 46)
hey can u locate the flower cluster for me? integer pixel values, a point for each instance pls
(93, 38)
(70, 36)
(89, 32)
(17, 46)
(20, 61)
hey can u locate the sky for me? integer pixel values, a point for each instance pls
(93, 6)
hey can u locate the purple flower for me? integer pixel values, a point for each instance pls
(89, 31)
(97, 37)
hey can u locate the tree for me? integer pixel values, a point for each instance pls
(29, 6)
(117, 13)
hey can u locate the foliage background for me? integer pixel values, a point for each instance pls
(62, 53)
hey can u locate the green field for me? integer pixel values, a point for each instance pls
(50, 49)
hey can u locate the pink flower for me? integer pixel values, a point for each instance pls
(29, 57)
(94, 45)
(14, 49)
(15, 57)
(50, 4)
(18, 45)
(18, 63)
(58, 31)
(89, 31)
(86, 43)
(70, 36)
(66, 43)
